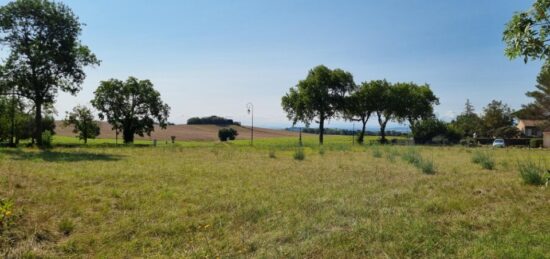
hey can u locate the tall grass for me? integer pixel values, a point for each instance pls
(412, 156)
(299, 154)
(484, 159)
(532, 173)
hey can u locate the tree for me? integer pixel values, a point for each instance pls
(526, 34)
(385, 103)
(133, 106)
(83, 121)
(225, 134)
(496, 115)
(45, 53)
(432, 130)
(360, 106)
(414, 103)
(539, 109)
(468, 122)
(320, 97)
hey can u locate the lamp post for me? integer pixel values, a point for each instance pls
(250, 110)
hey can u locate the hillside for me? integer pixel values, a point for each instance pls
(184, 132)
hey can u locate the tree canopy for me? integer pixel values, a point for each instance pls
(496, 115)
(133, 106)
(45, 53)
(468, 122)
(526, 34)
(319, 97)
(539, 109)
(83, 122)
(360, 105)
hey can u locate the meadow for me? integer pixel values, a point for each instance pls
(226, 200)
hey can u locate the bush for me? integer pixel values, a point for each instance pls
(468, 141)
(299, 154)
(66, 226)
(426, 166)
(434, 131)
(412, 156)
(227, 133)
(507, 132)
(532, 174)
(6, 214)
(272, 154)
(535, 143)
(47, 139)
(484, 160)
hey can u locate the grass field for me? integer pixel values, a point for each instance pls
(206, 199)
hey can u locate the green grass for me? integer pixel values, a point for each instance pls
(206, 199)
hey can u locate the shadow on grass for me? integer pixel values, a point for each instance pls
(101, 145)
(55, 156)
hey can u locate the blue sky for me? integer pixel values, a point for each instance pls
(212, 57)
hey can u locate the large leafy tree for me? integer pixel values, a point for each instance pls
(413, 103)
(386, 104)
(82, 120)
(360, 105)
(526, 34)
(468, 122)
(45, 53)
(319, 97)
(496, 115)
(133, 106)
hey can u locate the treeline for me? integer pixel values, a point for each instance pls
(348, 132)
(212, 120)
(17, 120)
(326, 93)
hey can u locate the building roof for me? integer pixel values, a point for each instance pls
(532, 123)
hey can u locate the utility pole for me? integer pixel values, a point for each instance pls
(250, 110)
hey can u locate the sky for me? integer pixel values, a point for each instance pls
(213, 57)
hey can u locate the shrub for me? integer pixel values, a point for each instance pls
(468, 141)
(227, 133)
(532, 174)
(6, 214)
(483, 159)
(391, 154)
(66, 226)
(434, 131)
(47, 139)
(427, 166)
(412, 156)
(272, 154)
(299, 154)
(535, 142)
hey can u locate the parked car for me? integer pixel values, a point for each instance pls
(499, 143)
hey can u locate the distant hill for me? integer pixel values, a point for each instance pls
(184, 132)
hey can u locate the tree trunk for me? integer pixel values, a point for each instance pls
(383, 133)
(361, 137)
(128, 135)
(38, 122)
(382, 128)
(321, 130)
